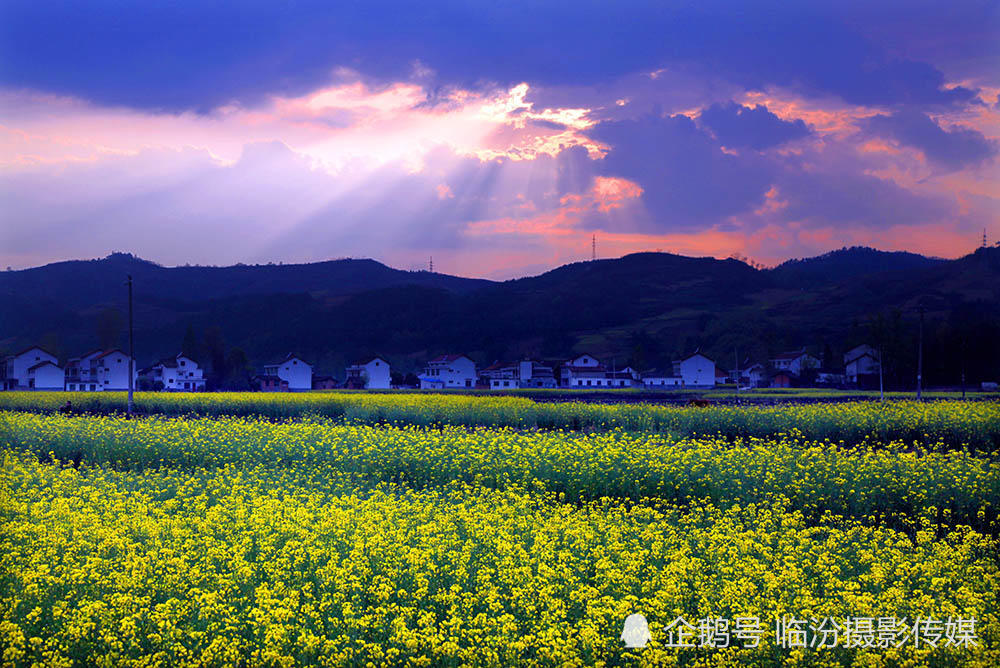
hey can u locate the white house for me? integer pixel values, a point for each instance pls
(178, 374)
(291, 369)
(449, 371)
(796, 362)
(749, 374)
(112, 371)
(81, 372)
(860, 361)
(753, 375)
(371, 375)
(583, 371)
(532, 373)
(661, 379)
(696, 370)
(501, 376)
(626, 377)
(15, 368)
(46, 376)
(99, 371)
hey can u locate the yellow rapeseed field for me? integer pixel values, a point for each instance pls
(975, 424)
(221, 541)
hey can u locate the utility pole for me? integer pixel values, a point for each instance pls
(881, 386)
(131, 350)
(920, 356)
(736, 355)
(963, 368)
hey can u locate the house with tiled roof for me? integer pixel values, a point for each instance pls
(269, 383)
(291, 368)
(99, 371)
(696, 370)
(449, 372)
(46, 376)
(860, 362)
(795, 361)
(81, 372)
(369, 374)
(15, 370)
(176, 374)
(325, 383)
(583, 371)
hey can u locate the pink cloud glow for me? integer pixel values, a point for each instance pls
(336, 125)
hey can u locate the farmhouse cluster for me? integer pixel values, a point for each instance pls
(107, 370)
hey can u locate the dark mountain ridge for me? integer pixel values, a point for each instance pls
(644, 307)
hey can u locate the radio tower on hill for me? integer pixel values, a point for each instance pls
(984, 237)
(593, 246)
(431, 265)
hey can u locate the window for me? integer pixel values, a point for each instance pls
(93, 387)
(182, 363)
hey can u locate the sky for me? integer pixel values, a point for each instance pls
(497, 138)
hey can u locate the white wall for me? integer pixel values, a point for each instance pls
(698, 371)
(112, 374)
(460, 373)
(297, 373)
(377, 371)
(18, 367)
(48, 377)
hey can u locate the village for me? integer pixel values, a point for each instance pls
(108, 370)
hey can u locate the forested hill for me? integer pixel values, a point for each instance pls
(643, 308)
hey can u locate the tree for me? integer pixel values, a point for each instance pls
(215, 350)
(238, 371)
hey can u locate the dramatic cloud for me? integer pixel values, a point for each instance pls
(496, 137)
(737, 126)
(686, 177)
(189, 55)
(954, 149)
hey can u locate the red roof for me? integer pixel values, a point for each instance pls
(30, 348)
(110, 352)
(41, 364)
(448, 358)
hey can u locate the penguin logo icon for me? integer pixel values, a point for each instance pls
(636, 631)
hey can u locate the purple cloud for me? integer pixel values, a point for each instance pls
(736, 126)
(687, 179)
(954, 149)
